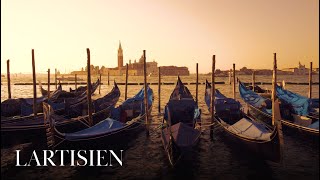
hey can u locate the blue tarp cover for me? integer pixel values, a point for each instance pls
(102, 127)
(299, 103)
(254, 99)
(250, 97)
(221, 101)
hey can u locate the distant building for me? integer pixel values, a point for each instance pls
(136, 68)
(300, 70)
(174, 71)
(245, 70)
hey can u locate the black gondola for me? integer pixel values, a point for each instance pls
(126, 119)
(179, 133)
(73, 93)
(258, 137)
(32, 129)
(14, 109)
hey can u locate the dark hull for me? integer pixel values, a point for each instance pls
(180, 137)
(13, 135)
(267, 150)
(179, 154)
(182, 155)
(287, 125)
(30, 129)
(10, 137)
(73, 93)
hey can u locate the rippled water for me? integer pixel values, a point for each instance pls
(214, 158)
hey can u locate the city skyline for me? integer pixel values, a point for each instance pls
(177, 33)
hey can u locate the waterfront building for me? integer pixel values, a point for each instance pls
(300, 70)
(135, 68)
(174, 71)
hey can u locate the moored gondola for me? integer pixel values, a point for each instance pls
(296, 111)
(73, 93)
(22, 108)
(14, 109)
(125, 119)
(179, 133)
(260, 138)
(32, 129)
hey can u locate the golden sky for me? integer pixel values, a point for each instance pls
(173, 32)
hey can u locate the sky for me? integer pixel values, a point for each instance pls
(178, 32)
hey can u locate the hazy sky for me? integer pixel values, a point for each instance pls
(173, 32)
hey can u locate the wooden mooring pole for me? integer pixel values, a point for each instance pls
(276, 116)
(159, 90)
(89, 88)
(274, 83)
(126, 85)
(34, 85)
(230, 72)
(234, 81)
(145, 92)
(48, 83)
(100, 83)
(75, 82)
(212, 93)
(253, 80)
(197, 80)
(55, 78)
(310, 81)
(108, 78)
(8, 79)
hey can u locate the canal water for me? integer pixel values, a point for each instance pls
(145, 158)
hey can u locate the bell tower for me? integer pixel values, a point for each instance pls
(120, 56)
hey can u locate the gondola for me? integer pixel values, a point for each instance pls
(296, 112)
(32, 129)
(125, 120)
(22, 107)
(179, 133)
(73, 93)
(79, 89)
(260, 138)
